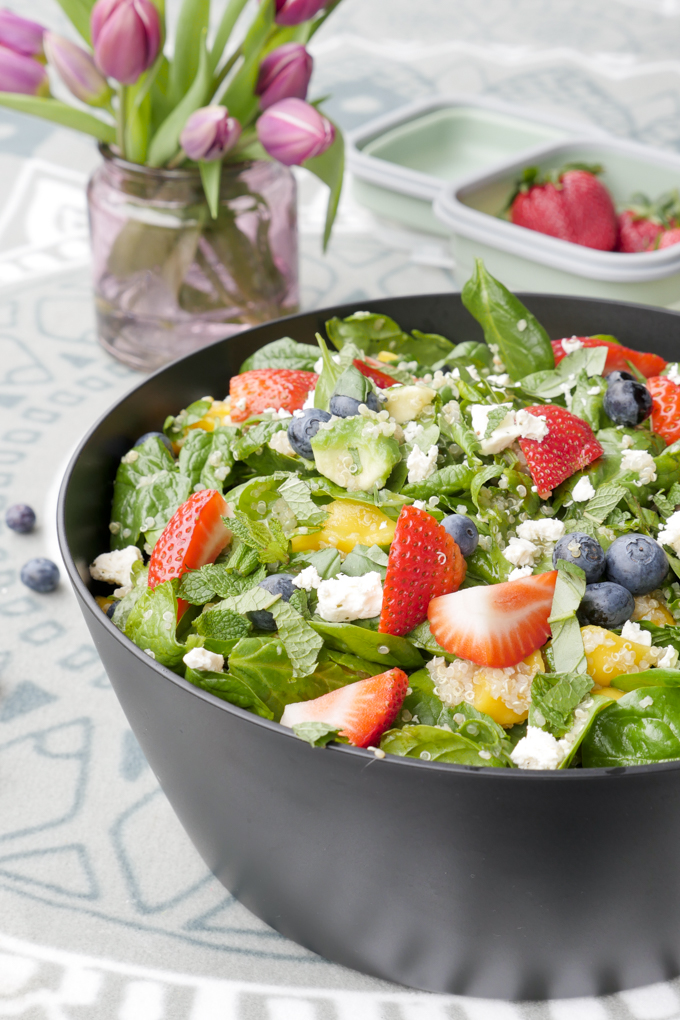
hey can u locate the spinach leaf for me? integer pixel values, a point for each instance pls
(328, 562)
(590, 707)
(389, 502)
(297, 495)
(363, 559)
(588, 400)
(206, 458)
(522, 342)
(649, 678)
(174, 427)
(454, 478)
(385, 649)
(229, 688)
(147, 491)
(430, 743)
(554, 696)
(470, 352)
(333, 368)
(318, 734)
(368, 331)
(283, 353)
(139, 586)
(423, 707)
(422, 637)
(487, 566)
(640, 728)
(152, 624)
(567, 644)
(556, 381)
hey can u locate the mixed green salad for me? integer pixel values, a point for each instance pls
(458, 552)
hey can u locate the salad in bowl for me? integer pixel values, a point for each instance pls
(465, 553)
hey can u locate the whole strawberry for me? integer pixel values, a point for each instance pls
(570, 204)
(643, 224)
(670, 237)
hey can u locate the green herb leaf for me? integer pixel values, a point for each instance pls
(152, 624)
(631, 731)
(384, 649)
(283, 353)
(297, 495)
(147, 491)
(567, 644)
(301, 642)
(554, 696)
(454, 478)
(266, 537)
(317, 734)
(430, 743)
(554, 382)
(229, 688)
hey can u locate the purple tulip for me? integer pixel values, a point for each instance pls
(20, 35)
(284, 74)
(292, 131)
(292, 12)
(77, 70)
(209, 133)
(22, 74)
(126, 35)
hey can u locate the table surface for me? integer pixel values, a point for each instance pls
(106, 911)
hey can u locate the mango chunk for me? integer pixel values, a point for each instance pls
(214, 417)
(484, 701)
(387, 357)
(609, 655)
(349, 523)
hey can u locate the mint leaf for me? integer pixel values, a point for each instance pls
(266, 537)
(556, 381)
(202, 585)
(257, 436)
(222, 624)
(152, 624)
(607, 498)
(249, 601)
(243, 559)
(567, 644)
(299, 601)
(174, 426)
(318, 734)
(496, 416)
(297, 495)
(147, 491)
(302, 644)
(554, 696)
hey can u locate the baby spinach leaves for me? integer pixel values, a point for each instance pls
(522, 342)
(147, 491)
(385, 649)
(430, 743)
(640, 728)
(371, 333)
(318, 734)
(152, 624)
(229, 688)
(283, 353)
(563, 378)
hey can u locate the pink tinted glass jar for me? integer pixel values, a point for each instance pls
(168, 278)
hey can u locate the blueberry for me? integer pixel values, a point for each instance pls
(301, 430)
(110, 610)
(20, 518)
(605, 605)
(636, 562)
(463, 531)
(155, 435)
(589, 555)
(277, 584)
(40, 574)
(626, 401)
(347, 407)
(618, 377)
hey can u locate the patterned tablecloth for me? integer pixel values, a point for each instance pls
(106, 911)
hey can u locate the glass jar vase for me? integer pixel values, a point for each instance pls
(168, 278)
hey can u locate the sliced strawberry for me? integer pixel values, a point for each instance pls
(665, 407)
(496, 624)
(569, 446)
(372, 369)
(362, 711)
(194, 535)
(254, 391)
(618, 356)
(424, 562)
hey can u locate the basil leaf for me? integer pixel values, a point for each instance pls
(384, 649)
(152, 624)
(522, 342)
(554, 696)
(422, 637)
(649, 678)
(633, 731)
(229, 688)
(328, 562)
(283, 353)
(556, 381)
(567, 644)
(454, 478)
(364, 559)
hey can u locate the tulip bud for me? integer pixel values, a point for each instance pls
(209, 133)
(126, 36)
(284, 74)
(22, 74)
(292, 131)
(293, 12)
(77, 70)
(20, 35)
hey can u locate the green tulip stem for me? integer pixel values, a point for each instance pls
(120, 120)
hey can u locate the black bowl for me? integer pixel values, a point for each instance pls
(485, 882)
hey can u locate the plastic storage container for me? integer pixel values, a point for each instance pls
(401, 161)
(526, 259)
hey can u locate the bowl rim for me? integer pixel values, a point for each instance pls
(488, 772)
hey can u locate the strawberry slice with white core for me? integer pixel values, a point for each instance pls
(569, 446)
(361, 711)
(194, 535)
(496, 624)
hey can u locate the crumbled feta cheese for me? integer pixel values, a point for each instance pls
(646, 702)
(626, 442)
(421, 465)
(502, 381)
(669, 659)
(350, 598)
(279, 443)
(538, 750)
(583, 490)
(515, 425)
(571, 345)
(593, 391)
(412, 431)
(531, 426)
(641, 462)
(669, 533)
(241, 403)
(518, 573)
(202, 659)
(308, 578)
(318, 366)
(521, 553)
(673, 372)
(547, 530)
(480, 417)
(419, 504)
(634, 632)
(309, 400)
(114, 567)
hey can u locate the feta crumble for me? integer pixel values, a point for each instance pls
(342, 598)
(641, 462)
(114, 567)
(421, 465)
(309, 400)
(521, 553)
(202, 659)
(547, 530)
(669, 534)
(646, 702)
(583, 490)
(538, 750)
(308, 579)
(515, 425)
(669, 659)
(634, 632)
(673, 372)
(572, 344)
(519, 572)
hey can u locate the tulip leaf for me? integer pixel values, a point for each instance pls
(239, 97)
(211, 175)
(137, 119)
(78, 13)
(192, 23)
(231, 15)
(60, 113)
(165, 142)
(329, 167)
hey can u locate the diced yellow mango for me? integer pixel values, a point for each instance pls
(652, 609)
(404, 403)
(213, 418)
(495, 707)
(387, 357)
(609, 655)
(348, 524)
(612, 692)
(103, 602)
